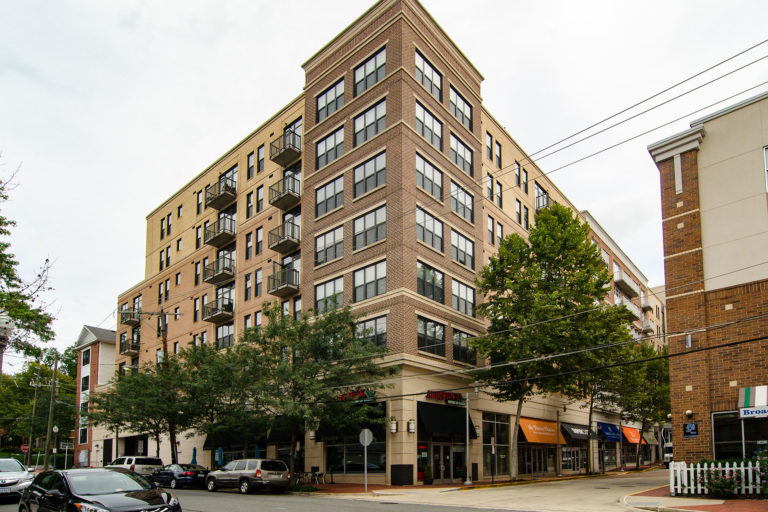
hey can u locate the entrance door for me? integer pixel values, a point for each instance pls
(538, 460)
(107, 458)
(441, 462)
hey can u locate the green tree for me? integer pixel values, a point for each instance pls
(544, 297)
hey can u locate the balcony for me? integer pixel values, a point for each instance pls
(285, 238)
(627, 285)
(221, 194)
(634, 309)
(129, 347)
(220, 232)
(286, 193)
(286, 148)
(132, 318)
(220, 271)
(649, 327)
(544, 201)
(220, 310)
(647, 306)
(283, 283)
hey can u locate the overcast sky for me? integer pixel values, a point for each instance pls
(110, 107)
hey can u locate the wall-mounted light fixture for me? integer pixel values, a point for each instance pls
(689, 414)
(411, 426)
(311, 435)
(393, 425)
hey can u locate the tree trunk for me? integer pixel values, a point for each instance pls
(291, 465)
(639, 447)
(157, 444)
(590, 444)
(172, 439)
(515, 430)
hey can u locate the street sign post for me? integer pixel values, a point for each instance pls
(366, 438)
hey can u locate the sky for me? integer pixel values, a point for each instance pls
(108, 108)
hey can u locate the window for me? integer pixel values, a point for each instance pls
(461, 155)
(490, 230)
(461, 350)
(370, 228)
(370, 122)
(162, 228)
(429, 230)
(260, 158)
(167, 288)
(83, 439)
(199, 202)
(498, 155)
(160, 292)
(247, 322)
(297, 308)
(495, 444)
(431, 336)
(178, 245)
(203, 337)
(462, 249)
(225, 335)
(84, 383)
(370, 281)
(329, 246)
(518, 211)
(197, 273)
(429, 282)
(499, 232)
(429, 77)
(517, 173)
(370, 71)
(247, 287)
(86, 357)
(330, 100)
(198, 237)
(429, 178)
(168, 225)
(175, 347)
(462, 202)
(330, 148)
(429, 127)
(286, 308)
(463, 298)
(329, 197)
(178, 211)
(461, 109)
(162, 258)
(488, 146)
(178, 278)
(370, 174)
(257, 319)
(257, 283)
(249, 205)
(329, 295)
(525, 181)
(525, 217)
(168, 256)
(260, 198)
(250, 165)
(765, 159)
(373, 330)
(499, 194)
(259, 240)
(196, 310)
(248, 245)
(489, 187)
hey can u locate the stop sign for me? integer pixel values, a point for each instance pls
(24, 448)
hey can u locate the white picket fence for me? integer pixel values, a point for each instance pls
(691, 479)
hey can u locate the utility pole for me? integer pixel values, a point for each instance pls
(32, 420)
(50, 412)
(171, 425)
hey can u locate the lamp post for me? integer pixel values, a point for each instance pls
(55, 437)
(6, 327)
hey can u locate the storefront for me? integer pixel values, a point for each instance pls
(608, 435)
(575, 452)
(537, 446)
(441, 439)
(496, 453)
(742, 433)
(631, 440)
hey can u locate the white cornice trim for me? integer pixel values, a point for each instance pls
(676, 144)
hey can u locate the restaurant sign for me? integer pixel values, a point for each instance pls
(753, 412)
(450, 397)
(358, 395)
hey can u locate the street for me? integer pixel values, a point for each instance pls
(584, 494)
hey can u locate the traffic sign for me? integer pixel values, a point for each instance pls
(366, 437)
(24, 448)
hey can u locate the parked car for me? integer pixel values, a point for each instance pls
(14, 477)
(96, 490)
(180, 475)
(249, 474)
(141, 465)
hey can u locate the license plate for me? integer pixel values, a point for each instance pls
(5, 489)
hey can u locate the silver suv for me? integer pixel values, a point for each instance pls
(141, 465)
(14, 477)
(248, 474)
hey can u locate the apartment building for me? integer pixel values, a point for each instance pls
(385, 184)
(714, 178)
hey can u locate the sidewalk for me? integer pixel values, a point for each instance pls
(659, 499)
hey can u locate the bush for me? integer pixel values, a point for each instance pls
(722, 484)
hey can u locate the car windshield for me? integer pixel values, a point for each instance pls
(10, 465)
(106, 482)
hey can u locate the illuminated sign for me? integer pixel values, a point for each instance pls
(450, 397)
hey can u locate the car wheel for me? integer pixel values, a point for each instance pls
(174, 484)
(210, 484)
(245, 486)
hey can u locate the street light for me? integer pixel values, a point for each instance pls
(55, 430)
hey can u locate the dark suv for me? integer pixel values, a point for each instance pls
(248, 474)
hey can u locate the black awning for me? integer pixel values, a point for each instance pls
(575, 431)
(445, 419)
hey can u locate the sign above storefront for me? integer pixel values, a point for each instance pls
(753, 412)
(450, 397)
(357, 395)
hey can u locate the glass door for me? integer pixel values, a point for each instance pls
(441, 463)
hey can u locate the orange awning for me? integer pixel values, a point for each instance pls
(632, 434)
(540, 431)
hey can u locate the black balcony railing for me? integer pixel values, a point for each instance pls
(129, 347)
(286, 193)
(220, 271)
(285, 237)
(283, 282)
(286, 148)
(219, 310)
(221, 194)
(220, 232)
(225, 341)
(130, 317)
(544, 201)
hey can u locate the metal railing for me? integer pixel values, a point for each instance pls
(285, 148)
(223, 191)
(222, 268)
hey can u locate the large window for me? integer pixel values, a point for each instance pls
(463, 298)
(370, 71)
(330, 148)
(370, 122)
(461, 155)
(225, 335)
(462, 202)
(330, 100)
(329, 295)
(86, 357)
(429, 230)
(461, 109)
(518, 211)
(462, 249)
(370, 228)
(430, 282)
(329, 197)
(329, 246)
(429, 77)
(431, 336)
(370, 281)
(370, 174)
(346, 456)
(429, 127)
(495, 431)
(429, 178)
(461, 350)
(373, 330)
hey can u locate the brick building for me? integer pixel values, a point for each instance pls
(388, 185)
(715, 222)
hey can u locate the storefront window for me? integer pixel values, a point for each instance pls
(347, 457)
(495, 432)
(727, 428)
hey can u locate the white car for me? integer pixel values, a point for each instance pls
(14, 477)
(141, 465)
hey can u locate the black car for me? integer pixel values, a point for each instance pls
(180, 475)
(95, 490)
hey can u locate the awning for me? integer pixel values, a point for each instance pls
(649, 438)
(576, 431)
(610, 431)
(631, 434)
(445, 419)
(756, 396)
(540, 431)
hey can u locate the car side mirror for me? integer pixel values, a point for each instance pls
(54, 493)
